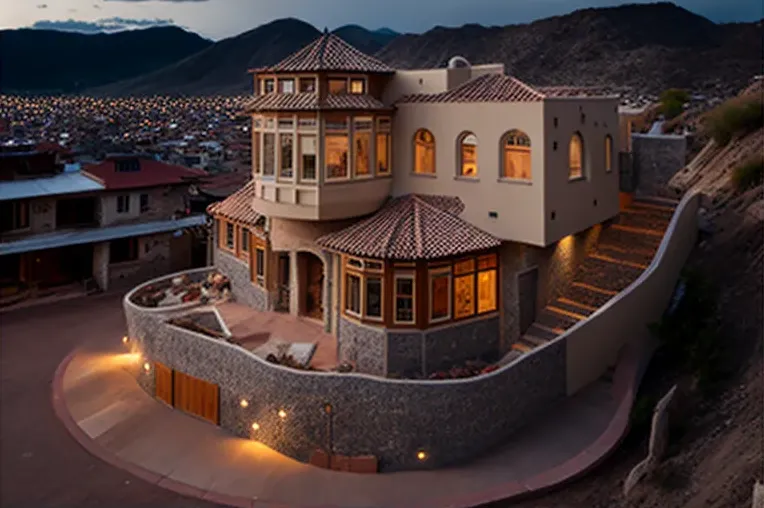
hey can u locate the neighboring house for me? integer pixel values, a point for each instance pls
(114, 223)
(416, 213)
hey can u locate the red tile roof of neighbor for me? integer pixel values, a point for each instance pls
(238, 207)
(152, 174)
(411, 227)
(311, 102)
(329, 53)
(500, 88)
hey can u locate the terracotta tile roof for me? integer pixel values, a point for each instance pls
(485, 88)
(151, 174)
(411, 227)
(574, 91)
(311, 102)
(329, 53)
(238, 206)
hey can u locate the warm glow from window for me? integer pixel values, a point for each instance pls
(357, 86)
(440, 294)
(383, 153)
(269, 155)
(336, 155)
(362, 153)
(464, 296)
(517, 156)
(468, 145)
(486, 291)
(576, 155)
(608, 153)
(424, 152)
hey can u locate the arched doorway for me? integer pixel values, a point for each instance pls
(311, 283)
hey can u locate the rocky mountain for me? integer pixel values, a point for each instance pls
(368, 41)
(648, 47)
(49, 61)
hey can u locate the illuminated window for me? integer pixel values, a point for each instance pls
(260, 266)
(229, 236)
(357, 86)
(575, 157)
(287, 146)
(308, 157)
(404, 298)
(608, 153)
(373, 297)
(353, 294)
(286, 85)
(464, 296)
(307, 85)
(383, 153)
(362, 152)
(424, 152)
(256, 152)
(338, 86)
(336, 155)
(517, 156)
(440, 294)
(486, 291)
(468, 145)
(269, 148)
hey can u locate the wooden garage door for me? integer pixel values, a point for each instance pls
(163, 376)
(196, 396)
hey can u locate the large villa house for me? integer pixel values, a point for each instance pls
(424, 217)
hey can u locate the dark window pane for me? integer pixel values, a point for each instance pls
(373, 297)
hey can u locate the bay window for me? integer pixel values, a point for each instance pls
(364, 288)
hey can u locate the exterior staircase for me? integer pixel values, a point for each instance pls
(624, 250)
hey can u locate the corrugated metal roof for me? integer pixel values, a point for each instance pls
(78, 237)
(62, 183)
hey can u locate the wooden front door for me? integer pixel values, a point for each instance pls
(314, 305)
(196, 396)
(163, 383)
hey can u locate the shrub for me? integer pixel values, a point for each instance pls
(672, 102)
(749, 174)
(736, 117)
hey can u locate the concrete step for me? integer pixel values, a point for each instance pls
(556, 320)
(542, 332)
(606, 275)
(532, 340)
(629, 239)
(589, 295)
(612, 259)
(643, 219)
(572, 307)
(642, 256)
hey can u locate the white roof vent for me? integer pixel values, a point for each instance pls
(458, 61)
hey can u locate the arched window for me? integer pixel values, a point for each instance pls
(608, 153)
(424, 152)
(516, 155)
(468, 145)
(576, 157)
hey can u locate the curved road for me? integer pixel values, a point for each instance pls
(41, 465)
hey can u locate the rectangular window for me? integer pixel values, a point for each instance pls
(244, 240)
(268, 85)
(404, 298)
(14, 215)
(464, 266)
(229, 236)
(123, 204)
(260, 266)
(144, 203)
(336, 155)
(357, 86)
(362, 155)
(123, 250)
(338, 86)
(269, 147)
(286, 123)
(307, 124)
(486, 291)
(440, 295)
(464, 296)
(373, 301)
(287, 142)
(353, 294)
(286, 85)
(308, 157)
(383, 154)
(307, 85)
(256, 152)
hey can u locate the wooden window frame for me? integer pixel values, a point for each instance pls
(515, 133)
(356, 314)
(460, 156)
(363, 269)
(329, 80)
(307, 79)
(276, 146)
(384, 131)
(225, 246)
(432, 273)
(404, 275)
(284, 81)
(301, 160)
(259, 277)
(286, 173)
(242, 244)
(364, 85)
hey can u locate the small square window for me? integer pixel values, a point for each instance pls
(338, 86)
(286, 85)
(229, 238)
(268, 86)
(357, 86)
(244, 240)
(307, 85)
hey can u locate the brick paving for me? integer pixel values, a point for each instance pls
(40, 464)
(624, 250)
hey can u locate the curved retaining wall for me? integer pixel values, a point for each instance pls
(451, 421)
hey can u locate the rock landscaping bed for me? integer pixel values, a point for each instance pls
(201, 287)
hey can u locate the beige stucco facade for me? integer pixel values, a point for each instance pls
(162, 203)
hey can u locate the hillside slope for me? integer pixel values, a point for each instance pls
(647, 47)
(49, 61)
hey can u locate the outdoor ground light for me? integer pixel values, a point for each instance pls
(244, 403)
(421, 455)
(146, 366)
(125, 339)
(282, 414)
(255, 426)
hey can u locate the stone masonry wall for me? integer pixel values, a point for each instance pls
(452, 421)
(656, 160)
(242, 288)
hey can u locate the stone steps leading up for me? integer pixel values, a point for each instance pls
(640, 219)
(589, 295)
(642, 256)
(606, 275)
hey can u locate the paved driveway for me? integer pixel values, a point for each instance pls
(40, 463)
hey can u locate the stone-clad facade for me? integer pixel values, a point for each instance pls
(241, 286)
(451, 421)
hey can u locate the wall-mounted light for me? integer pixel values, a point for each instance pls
(282, 414)
(125, 339)
(244, 403)
(146, 367)
(255, 426)
(328, 408)
(421, 455)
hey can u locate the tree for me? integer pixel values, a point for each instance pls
(672, 102)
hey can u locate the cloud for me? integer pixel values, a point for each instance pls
(105, 25)
(42, 6)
